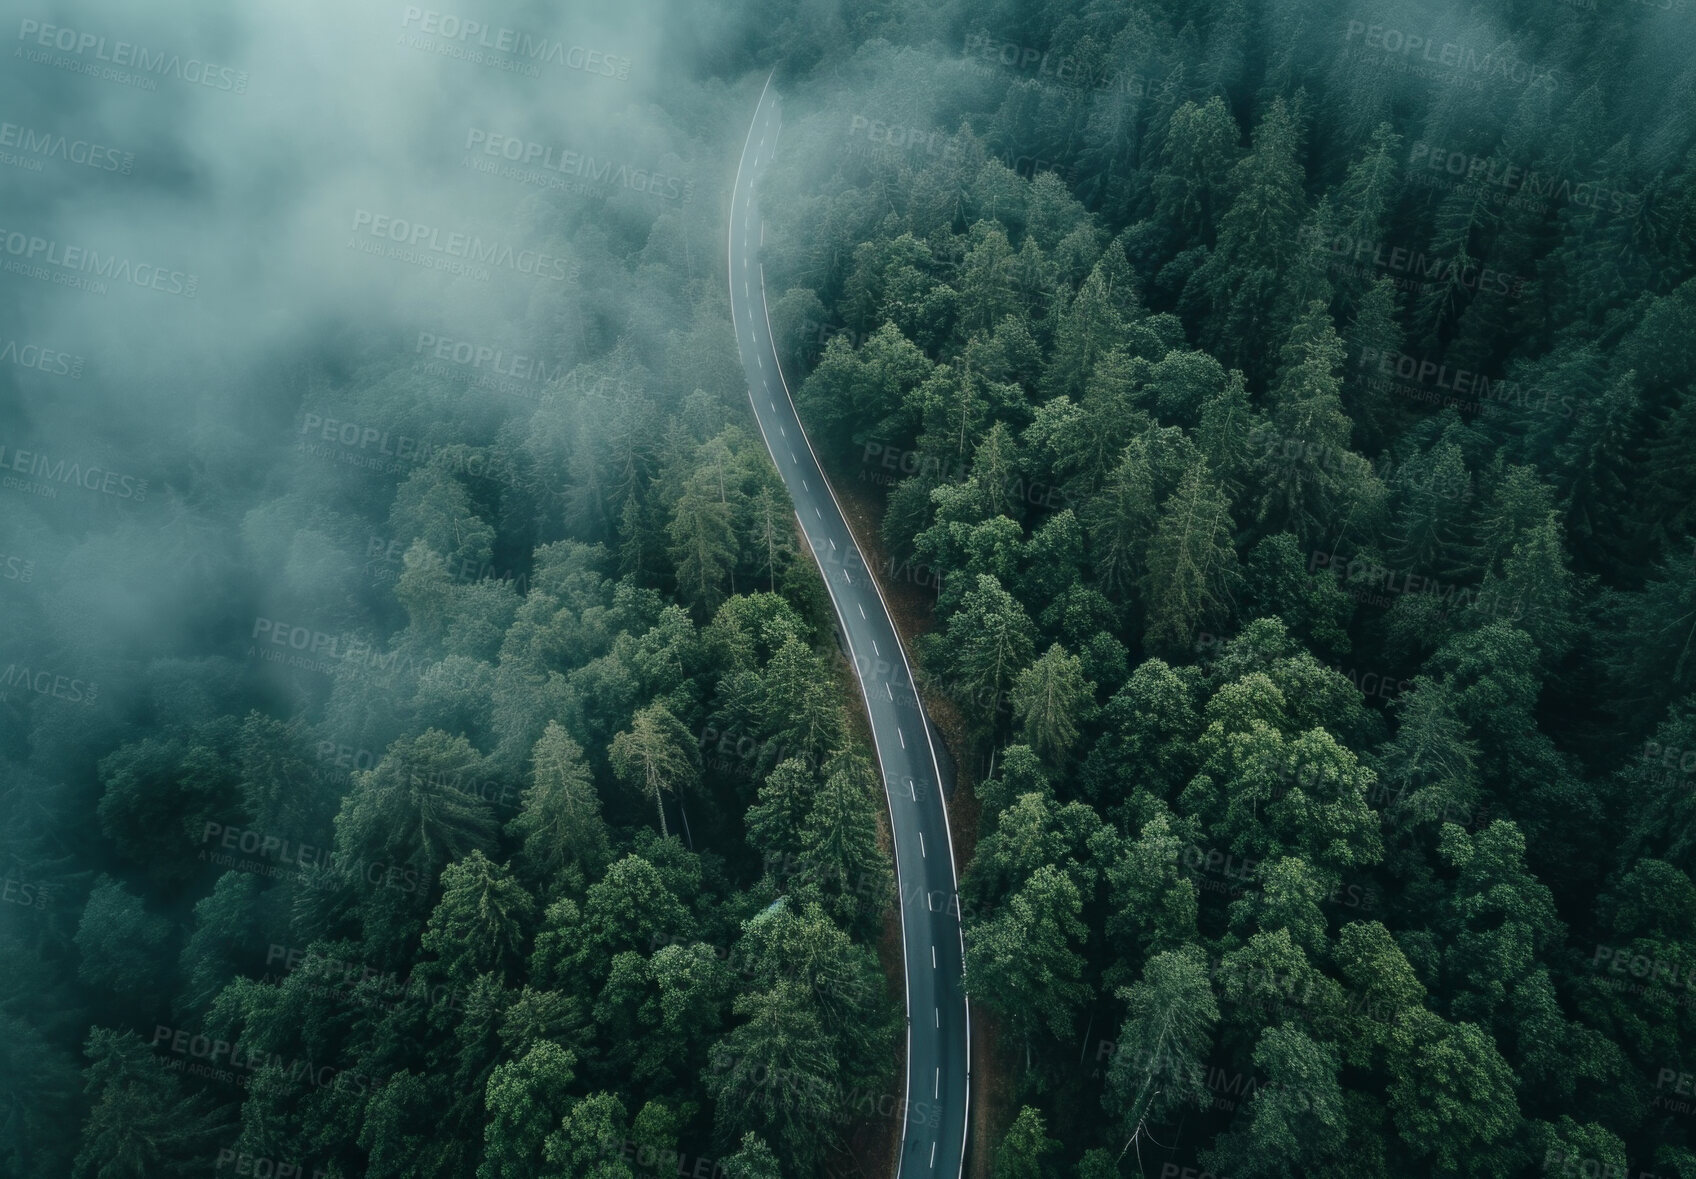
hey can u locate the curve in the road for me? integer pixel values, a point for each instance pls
(938, 1082)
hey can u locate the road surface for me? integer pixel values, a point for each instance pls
(933, 1132)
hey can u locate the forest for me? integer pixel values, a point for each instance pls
(1277, 422)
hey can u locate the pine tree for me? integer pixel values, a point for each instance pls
(1051, 699)
(656, 755)
(1191, 566)
(1190, 185)
(1158, 1064)
(1240, 282)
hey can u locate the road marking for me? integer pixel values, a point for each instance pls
(818, 513)
(762, 360)
(903, 737)
(936, 1092)
(912, 791)
(932, 952)
(875, 651)
(804, 487)
(889, 689)
(774, 407)
(938, 1011)
(797, 462)
(861, 609)
(933, 1155)
(780, 428)
(833, 549)
(922, 846)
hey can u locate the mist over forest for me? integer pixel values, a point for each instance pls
(428, 746)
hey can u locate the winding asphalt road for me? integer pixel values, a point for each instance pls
(933, 1130)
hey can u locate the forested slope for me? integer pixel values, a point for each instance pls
(1299, 428)
(499, 814)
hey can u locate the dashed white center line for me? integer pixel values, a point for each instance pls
(875, 651)
(938, 1011)
(861, 609)
(933, 957)
(911, 790)
(936, 1092)
(804, 487)
(818, 513)
(891, 692)
(903, 737)
(922, 846)
(780, 428)
(793, 459)
(833, 549)
(774, 407)
(933, 1156)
